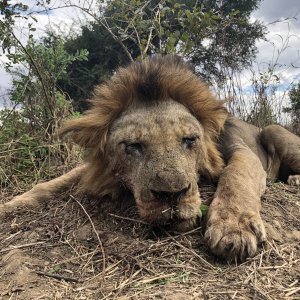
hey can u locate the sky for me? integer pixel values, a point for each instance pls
(282, 19)
(283, 22)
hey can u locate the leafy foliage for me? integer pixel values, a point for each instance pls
(214, 35)
(265, 87)
(294, 109)
(233, 44)
(294, 94)
(27, 129)
(104, 56)
(35, 83)
(9, 13)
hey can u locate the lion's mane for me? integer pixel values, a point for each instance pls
(141, 83)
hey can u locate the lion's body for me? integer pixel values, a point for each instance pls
(277, 149)
(239, 132)
(154, 129)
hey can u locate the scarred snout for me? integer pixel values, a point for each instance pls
(160, 151)
(165, 188)
(170, 196)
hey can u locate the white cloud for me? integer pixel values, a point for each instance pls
(281, 50)
(271, 10)
(5, 79)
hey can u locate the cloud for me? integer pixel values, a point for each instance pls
(4, 86)
(5, 79)
(281, 50)
(271, 10)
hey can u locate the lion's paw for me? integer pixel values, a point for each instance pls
(21, 201)
(235, 236)
(294, 180)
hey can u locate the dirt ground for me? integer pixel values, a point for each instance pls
(79, 248)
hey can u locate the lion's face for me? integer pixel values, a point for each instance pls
(157, 151)
(136, 136)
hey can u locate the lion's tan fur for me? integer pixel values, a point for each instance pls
(154, 128)
(44, 191)
(171, 78)
(281, 153)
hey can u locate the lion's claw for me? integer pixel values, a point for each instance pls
(235, 237)
(294, 180)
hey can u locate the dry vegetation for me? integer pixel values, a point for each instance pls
(76, 247)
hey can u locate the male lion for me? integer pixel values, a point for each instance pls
(154, 129)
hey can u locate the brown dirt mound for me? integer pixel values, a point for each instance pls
(86, 249)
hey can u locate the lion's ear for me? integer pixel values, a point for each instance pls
(87, 131)
(90, 130)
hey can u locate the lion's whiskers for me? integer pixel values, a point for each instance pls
(165, 210)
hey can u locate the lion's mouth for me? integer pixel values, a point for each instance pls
(162, 213)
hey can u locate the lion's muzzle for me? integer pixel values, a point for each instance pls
(172, 197)
(166, 207)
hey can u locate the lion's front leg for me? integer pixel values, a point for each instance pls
(43, 191)
(234, 224)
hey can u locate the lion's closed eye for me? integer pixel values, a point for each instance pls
(134, 149)
(189, 142)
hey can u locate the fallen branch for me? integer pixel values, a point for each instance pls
(21, 246)
(56, 276)
(128, 219)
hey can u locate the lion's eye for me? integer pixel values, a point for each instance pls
(189, 142)
(135, 149)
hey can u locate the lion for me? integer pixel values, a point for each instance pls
(154, 129)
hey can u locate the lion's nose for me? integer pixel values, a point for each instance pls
(165, 196)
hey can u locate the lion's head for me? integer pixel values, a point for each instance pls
(152, 128)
